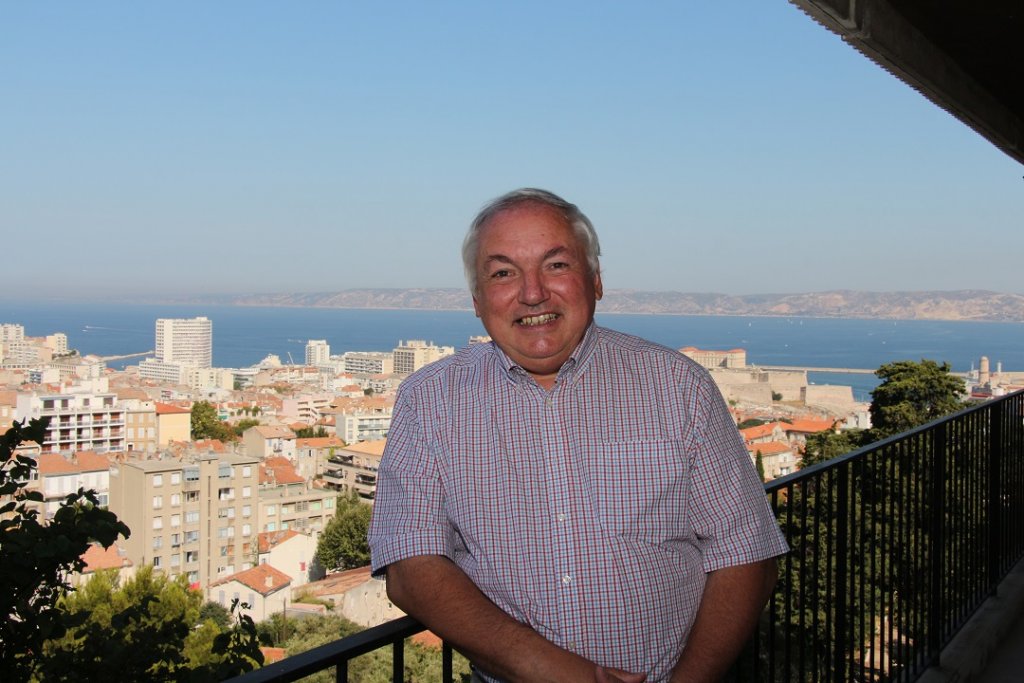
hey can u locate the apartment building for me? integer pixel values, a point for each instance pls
(318, 353)
(59, 475)
(354, 468)
(311, 454)
(369, 362)
(173, 423)
(197, 517)
(304, 407)
(264, 441)
(84, 421)
(288, 501)
(187, 341)
(413, 354)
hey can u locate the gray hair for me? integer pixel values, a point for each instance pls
(575, 218)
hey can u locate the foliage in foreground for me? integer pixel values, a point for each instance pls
(35, 557)
(148, 629)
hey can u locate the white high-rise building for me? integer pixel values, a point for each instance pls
(186, 341)
(318, 352)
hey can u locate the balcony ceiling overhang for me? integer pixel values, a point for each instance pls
(967, 56)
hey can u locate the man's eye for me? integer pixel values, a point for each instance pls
(498, 274)
(558, 265)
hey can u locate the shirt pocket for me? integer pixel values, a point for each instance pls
(638, 489)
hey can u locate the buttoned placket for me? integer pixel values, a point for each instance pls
(557, 461)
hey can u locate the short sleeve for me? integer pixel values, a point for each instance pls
(729, 510)
(408, 512)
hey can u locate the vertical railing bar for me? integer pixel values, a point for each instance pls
(341, 671)
(842, 533)
(447, 673)
(995, 466)
(803, 583)
(398, 661)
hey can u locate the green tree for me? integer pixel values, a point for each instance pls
(36, 557)
(217, 613)
(828, 444)
(148, 629)
(759, 462)
(342, 544)
(311, 432)
(206, 424)
(912, 394)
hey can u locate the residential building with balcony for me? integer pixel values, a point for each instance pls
(363, 419)
(311, 454)
(196, 516)
(62, 474)
(305, 407)
(186, 341)
(288, 501)
(83, 421)
(354, 468)
(369, 362)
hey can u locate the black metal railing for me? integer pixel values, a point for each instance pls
(894, 547)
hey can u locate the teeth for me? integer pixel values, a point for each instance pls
(537, 319)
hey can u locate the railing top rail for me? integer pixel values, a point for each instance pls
(814, 470)
(319, 658)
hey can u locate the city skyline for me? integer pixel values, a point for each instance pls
(257, 148)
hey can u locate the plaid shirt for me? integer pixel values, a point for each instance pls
(591, 512)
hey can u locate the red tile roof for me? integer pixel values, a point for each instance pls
(278, 470)
(769, 448)
(272, 539)
(262, 578)
(83, 461)
(168, 409)
(320, 442)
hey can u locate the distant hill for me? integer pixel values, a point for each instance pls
(955, 305)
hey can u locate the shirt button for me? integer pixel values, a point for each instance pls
(561, 516)
(566, 579)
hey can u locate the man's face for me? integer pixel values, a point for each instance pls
(535, 293)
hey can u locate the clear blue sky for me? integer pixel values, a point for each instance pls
(185, 147)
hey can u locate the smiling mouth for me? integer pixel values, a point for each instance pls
(533, 320)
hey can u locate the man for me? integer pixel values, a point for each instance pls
(569, 503)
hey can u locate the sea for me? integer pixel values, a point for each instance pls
(244, 335)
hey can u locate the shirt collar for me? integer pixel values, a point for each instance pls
(576, 360)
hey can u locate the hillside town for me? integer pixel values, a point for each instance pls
(239, 510)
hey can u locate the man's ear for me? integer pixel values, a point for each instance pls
(476, 307)
(598, 286)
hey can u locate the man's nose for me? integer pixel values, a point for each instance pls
(533, 290)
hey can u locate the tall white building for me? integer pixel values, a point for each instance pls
(188, 341)
(318, 352)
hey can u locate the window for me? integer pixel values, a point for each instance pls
(158, 480)
(301, 506)
(158, 522)
(191, 496)
(158, 502)
(225, 472)
(246, 492)
(175, 500)
(286, 509)
(271, 510)
(246, 530)
(191, 556)
(175, 560)
(175, 478)
(191, 474)
(175, 540)
(158, 542)
(315, 505)
(328, 503)
(247, 511)
(191, 536)
(192, 517)
(222, 532)
(246, 471)
(157, 562)
(175, 520)
(271, 526)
